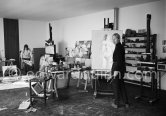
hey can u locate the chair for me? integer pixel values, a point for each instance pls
(40, 86)
(37, 90)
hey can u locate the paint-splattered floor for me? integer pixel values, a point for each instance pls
(71, 102)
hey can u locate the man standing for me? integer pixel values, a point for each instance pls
(118, 70)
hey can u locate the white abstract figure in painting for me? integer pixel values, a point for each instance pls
(107, 52)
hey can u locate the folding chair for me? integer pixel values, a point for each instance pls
(38, 88)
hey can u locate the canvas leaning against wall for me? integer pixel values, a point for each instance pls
(103, 48)
(82, 49)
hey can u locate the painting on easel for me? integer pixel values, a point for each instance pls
(103, 48)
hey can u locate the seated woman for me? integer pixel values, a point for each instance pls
(26, 59)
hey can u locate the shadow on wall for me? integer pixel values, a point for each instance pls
(61, 48)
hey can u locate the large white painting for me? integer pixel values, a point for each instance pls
(103, 48)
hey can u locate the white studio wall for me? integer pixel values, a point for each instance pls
(67, 31)
(57, 36)
(33, 33)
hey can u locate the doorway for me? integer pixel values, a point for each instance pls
(11, 40)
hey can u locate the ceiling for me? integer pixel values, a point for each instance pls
(48, 10)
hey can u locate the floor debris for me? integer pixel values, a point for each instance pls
(31, 109)
(3, 108)
(24, 105)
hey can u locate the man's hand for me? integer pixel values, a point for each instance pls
(116, 73)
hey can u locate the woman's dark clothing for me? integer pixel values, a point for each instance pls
(118, 81)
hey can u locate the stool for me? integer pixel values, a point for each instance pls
(86, 71)
(55, 78)
(51, 85)
(102, 75)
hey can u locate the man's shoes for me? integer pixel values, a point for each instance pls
(114, 105)
(127, 105)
